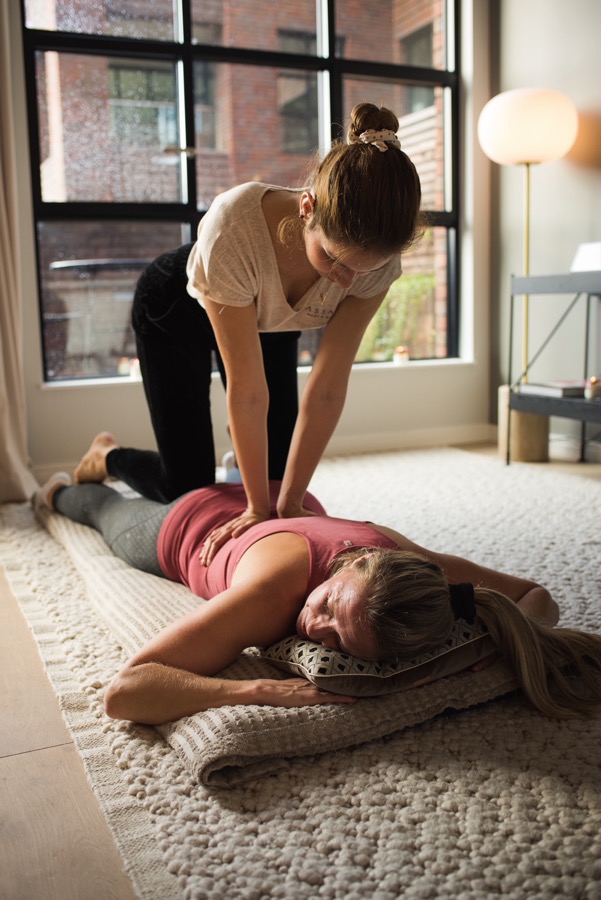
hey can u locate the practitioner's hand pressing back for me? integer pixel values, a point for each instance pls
(232, 529)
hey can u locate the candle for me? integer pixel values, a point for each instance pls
(592, 388)
(400, 356)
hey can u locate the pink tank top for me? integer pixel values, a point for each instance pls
(185, 527)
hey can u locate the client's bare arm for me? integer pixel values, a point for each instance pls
(176, 673)
(530, 597)
(153, 694)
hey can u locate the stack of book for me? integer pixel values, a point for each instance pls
(574, 388)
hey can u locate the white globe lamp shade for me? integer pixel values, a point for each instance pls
(527, 125)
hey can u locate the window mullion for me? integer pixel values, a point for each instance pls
(186, 102)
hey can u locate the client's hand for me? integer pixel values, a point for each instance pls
(232, 529)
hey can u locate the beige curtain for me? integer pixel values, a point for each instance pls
(16, 479)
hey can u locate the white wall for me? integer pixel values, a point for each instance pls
(551, 44)
(418, 405)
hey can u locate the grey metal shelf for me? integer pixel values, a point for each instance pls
(565, 407)
(579, 284)
(568, 283)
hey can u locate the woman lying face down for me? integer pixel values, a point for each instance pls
(360, 588)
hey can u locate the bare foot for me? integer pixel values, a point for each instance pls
(92, 466)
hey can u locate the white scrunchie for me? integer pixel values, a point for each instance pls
(380, 139)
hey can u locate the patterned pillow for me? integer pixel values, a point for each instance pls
(331, 670)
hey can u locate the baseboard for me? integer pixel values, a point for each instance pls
(409, 440)
(565, 448)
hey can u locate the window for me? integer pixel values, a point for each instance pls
(416, 49)
(142, 111)
(142, 105)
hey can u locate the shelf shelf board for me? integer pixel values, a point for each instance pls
(570, 282)
(566, 407)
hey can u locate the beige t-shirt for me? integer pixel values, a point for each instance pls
(233, 263)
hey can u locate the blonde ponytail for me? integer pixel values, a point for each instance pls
(409, 609)
(557, 668)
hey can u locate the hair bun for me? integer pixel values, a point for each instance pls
(369, 117)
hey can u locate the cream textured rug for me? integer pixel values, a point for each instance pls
(493, 800)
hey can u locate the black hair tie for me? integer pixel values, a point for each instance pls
(462, 601)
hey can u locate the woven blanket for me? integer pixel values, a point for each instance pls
(494, 797)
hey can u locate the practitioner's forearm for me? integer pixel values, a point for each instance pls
(318, 415)
(250, 418)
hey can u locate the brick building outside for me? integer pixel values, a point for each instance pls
(108, 132)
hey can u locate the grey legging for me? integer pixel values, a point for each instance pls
(129, 527)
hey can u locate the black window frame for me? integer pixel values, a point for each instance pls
(187, 52)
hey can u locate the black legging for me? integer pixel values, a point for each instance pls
(176, 347)
(129, 527)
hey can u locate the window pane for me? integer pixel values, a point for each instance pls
(253, 123)
(247, 23)
(422, 132)
(414, 314)
(412, 322)
(88, 273)
(383, 30)
(108, 127)
(121, 18)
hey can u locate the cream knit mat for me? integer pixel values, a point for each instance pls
(495, 800)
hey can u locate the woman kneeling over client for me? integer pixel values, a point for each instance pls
(356, 587)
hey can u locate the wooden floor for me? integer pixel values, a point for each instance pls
(55, 844)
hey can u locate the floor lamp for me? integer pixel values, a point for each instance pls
(524, 127)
